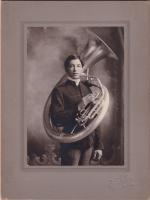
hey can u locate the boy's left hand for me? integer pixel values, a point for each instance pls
(97, 154)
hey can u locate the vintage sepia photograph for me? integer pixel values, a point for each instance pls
(74, 95)
(75, 100)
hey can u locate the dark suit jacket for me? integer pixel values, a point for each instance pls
(64, 102)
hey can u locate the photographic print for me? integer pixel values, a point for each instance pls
(74, 96)
(75, 100)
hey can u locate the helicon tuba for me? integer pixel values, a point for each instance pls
(94, 106)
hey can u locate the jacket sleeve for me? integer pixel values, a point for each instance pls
(59, 116)
(98, 145)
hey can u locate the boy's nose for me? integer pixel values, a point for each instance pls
(75, 68)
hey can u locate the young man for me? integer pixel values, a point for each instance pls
(63, 110)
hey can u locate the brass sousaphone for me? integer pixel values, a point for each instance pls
(89, 117)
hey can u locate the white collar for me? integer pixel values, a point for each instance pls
(76, 81)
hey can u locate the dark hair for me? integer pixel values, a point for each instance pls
(69, 58)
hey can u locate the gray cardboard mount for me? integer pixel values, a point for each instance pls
(129, 182)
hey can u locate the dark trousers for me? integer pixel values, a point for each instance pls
(76, 156)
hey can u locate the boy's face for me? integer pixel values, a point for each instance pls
(75, 69)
